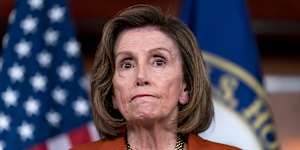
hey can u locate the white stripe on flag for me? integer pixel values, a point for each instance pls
(93, 131)
(61, 142)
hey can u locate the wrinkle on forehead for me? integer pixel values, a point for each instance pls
(171, 46)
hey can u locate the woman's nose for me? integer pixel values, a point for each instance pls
(142, 83)
(142, 79)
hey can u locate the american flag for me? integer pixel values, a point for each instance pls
(43, 98)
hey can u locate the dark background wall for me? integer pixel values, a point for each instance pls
(276, 24)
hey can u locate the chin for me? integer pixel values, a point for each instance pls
(145, 110)
(145, 117)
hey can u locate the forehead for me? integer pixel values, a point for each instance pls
(144, 38)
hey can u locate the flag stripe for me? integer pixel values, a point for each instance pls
(79, 136)
(41, 146)
(61, 141)
(93, 132)
(65, 141)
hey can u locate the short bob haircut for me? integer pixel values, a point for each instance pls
(195, 116)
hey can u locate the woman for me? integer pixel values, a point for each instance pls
(149, 85)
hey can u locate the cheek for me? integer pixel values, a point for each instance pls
(172, 89)
(119, 101)
(170, 83)
(121, 88)
(120, 85)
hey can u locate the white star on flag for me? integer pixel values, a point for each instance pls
(35, 4)
(81, 107)
(53, 118)
(65, 72)
(29, 24)
(12, 16)
(4, 122)
(84, 83)
(26, 131)
(10, 97)
(38, 82)
(31, 106)
(59, 95)
(44, 59)
(56, 13)
(2, 145)
(16, 73)
(23, 48)
(5, 40)
(51, 37)
(72, 48)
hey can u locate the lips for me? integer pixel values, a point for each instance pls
(141, 95)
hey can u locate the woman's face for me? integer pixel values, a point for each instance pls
(148, 80)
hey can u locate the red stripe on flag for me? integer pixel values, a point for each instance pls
(41, 146)
(79, 136)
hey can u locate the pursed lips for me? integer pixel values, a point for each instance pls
(142, 95)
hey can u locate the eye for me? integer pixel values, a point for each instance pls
(159, 61)
(126, 64)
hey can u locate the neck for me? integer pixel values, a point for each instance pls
(153, 134)
(151, 138)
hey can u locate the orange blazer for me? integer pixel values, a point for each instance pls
(194, 143)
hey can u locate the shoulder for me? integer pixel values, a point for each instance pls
(195, 142)
(104, 144)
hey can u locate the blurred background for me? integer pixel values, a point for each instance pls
(276, 26)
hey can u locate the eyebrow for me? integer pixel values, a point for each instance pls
(161, 48)
(125, 52)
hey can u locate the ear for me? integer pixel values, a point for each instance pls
(184, 95)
